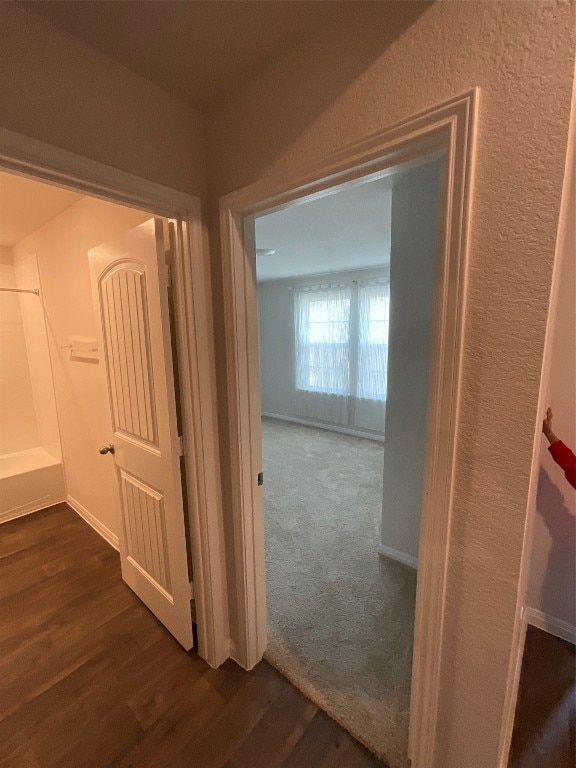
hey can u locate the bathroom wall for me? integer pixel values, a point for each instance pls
(18, 429)
(39, 364)
(61, 247)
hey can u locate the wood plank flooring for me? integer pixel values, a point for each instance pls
(89, 678)
(545, 723)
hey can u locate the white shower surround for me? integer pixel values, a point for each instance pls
(30, 480)
(31, 472)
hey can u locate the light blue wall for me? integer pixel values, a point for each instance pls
(412, 274)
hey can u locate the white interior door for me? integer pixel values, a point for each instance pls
(129, 284)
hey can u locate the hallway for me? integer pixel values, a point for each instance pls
(89, 677)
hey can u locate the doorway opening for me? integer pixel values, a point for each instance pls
(345, 295)
(545, 718)
(446, 130)
(90, 415)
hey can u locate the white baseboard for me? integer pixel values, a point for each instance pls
(330, 427)
(99, 527)
(28, 509)
(395, 554)
(550, 624)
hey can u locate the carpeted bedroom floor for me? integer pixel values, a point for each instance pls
(340, 616)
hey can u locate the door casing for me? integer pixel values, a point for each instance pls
(446, 129)
(28, 157)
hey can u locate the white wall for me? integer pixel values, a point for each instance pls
(412, 275)
(550, 558)
(347, 229)
(18, 429)
(277, 347)
(278, 353)
(61, 247)
(55, 88)
(378, 65)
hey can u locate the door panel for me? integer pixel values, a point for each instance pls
(123, 299)
(145, 527)
(130, 293)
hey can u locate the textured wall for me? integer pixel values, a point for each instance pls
(380, 65)
(56, 89)
(550, 557)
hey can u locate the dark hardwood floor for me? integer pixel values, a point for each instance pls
(89, 678)
(545, 723)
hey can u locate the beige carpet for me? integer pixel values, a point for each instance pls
(340, 617)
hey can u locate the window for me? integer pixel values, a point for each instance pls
(342, 340)
(322, 341)
(373, 311)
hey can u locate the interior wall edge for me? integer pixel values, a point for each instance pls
(530, 544)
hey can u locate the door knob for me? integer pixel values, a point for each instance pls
(107, 449)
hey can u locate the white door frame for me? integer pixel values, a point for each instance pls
(449, 127)
(28, 157)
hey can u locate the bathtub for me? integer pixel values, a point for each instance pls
(29, 480)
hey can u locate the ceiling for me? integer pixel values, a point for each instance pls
(198, 50)
(27, 205)
(346, 230)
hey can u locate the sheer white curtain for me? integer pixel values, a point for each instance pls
(322, 322)
(373, 312)
(342, 352)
